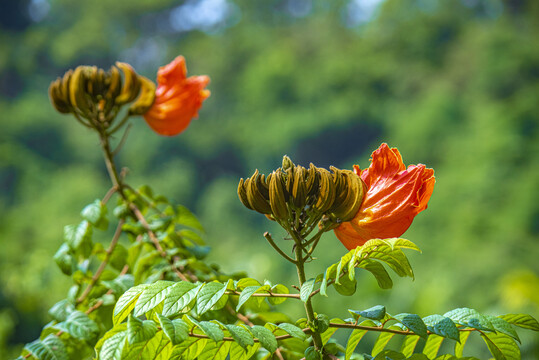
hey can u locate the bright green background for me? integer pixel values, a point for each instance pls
(452, 84)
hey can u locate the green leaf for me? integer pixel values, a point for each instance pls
(501, 346)
(209, 295)
(176, 330)
(414, 323)
(245, 282)
(402, 244)
(379, 272)
(374, 313)
(306, 289)
(189, 349)
(522, 320)
(121, 284)
(470, 318)
(215, 351)
(79, 326)
(179, 296)
(119, 257)
(157, 347)
(503, 326)
(246, 294)
(50, 348)
(278, 289)
(186, 218)
(139, 330)
(409, 344)
(212, 330)
(390, 355)
(126, 303)
(421, 357)
(324, 284)
(239, 353)
(321, 322)
(381, 342)
(266, 338)
(353, 340)
(65, 260)
(293, 331)
(241, 335)
(152, 296)
(79, 237)
(96, 213)
(432, 346)
(312, 354)
(396, 260)
(114, 342)
(346, 287)
(459, 346)
(326, 335)
(442, 326)
(61, 310)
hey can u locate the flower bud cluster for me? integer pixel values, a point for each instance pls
(97, 95)
(298, 197)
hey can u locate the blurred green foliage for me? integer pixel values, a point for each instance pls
(452, 84)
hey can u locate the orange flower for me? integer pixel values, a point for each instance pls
(395, 195)
(177, 98)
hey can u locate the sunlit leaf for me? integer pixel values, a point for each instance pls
(152, 296)
(50, 348)
(140, 330)
(432, 346)
(215, 351)
(442, 326)
(179, 296)
(266, 338)
(112, 347)
(471, 318)
(293, 331)
(353, 340)
(409, 344)
(209, 295)
(246, 295)
(501, 346)
(381, 342)
(459, 346)
(96, 213)
(241, 335)
(523, 320)
(126, 303)
(176, 330)
(278, 289)
(374, 313)
(212, 330)
(379, 272)
(414, 323)
(306, 289)
(80, 326)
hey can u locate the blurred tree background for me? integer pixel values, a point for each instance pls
(453, 84)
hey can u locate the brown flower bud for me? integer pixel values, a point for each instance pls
(277, 196)
(299, 189)
(131, 86)
(145, 99)
(255, 195)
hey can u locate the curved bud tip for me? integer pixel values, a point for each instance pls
(287, 163)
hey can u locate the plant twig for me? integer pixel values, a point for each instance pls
(104, 263)
(268, 237)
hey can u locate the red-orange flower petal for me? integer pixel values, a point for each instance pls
(177, 98)
(395, 195)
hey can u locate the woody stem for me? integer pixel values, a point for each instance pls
(300, 266)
